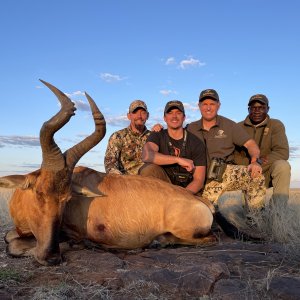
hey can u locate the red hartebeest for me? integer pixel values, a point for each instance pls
(116, 211)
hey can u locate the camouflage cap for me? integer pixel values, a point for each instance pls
(260, 98)
(137, 104)
(208, 94)
(174, 104)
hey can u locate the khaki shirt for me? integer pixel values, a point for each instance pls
(221, 139)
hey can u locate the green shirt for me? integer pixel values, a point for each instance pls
(271, 139)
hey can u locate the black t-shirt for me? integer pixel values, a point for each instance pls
(194, 150)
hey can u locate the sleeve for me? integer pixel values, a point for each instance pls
(155, 137)
(280, 145)
(112, 155)
(239, 135)
(198, 152)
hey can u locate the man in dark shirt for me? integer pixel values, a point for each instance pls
(271, 138)
(174, 154)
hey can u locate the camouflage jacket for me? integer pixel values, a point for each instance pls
(124, 151)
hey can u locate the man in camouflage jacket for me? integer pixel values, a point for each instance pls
(124, 150)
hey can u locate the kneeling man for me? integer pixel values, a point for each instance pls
(174, 154)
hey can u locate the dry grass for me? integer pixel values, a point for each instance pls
(5, 195)
(70, 288)
(281, 223)
(71, 291)
(276, 223)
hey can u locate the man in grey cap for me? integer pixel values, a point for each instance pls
(174, 154)
(220, 136)
(271, 138)
(124, 150)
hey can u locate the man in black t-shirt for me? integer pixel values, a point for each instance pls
(174, 154)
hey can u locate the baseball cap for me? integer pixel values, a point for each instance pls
(208, 93)
(260, 98)
(174, 104)
(137, 104)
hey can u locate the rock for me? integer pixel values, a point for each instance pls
(285, 288)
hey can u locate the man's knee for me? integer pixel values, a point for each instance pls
(280, 172)
(153, 170)
(148, 169)
(280, 167)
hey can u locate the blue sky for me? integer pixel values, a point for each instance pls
(121, 50)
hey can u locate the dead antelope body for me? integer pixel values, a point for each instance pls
(116, 211)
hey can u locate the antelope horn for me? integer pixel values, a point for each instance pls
(53, 158)
(76, 152)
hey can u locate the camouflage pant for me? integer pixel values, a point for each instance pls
(237, 177)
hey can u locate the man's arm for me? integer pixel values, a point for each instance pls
(112, 155)
(253, 149)
(254, 152)
(198, 180)
(150, 154)
(279, 145)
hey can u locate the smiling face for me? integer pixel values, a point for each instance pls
(257, 112)
(209, 109)
(174, 118)
(138, 118)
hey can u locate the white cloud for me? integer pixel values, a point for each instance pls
(107, 77)
(74, 94)
(167, 92)
(78, 93)
(191, 106)
(190, 62)
(81, 105)
(185, 63)
(119, 121)
(17, 140)
(170, 61)
(294, 152)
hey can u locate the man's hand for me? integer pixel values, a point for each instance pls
(255, 169)
(157, 127)
(188, 164)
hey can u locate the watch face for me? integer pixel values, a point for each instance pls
(259, 161)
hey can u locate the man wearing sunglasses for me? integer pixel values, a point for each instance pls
(271, 138)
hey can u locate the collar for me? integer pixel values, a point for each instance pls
(218, 121)
(247, 122)
(138, 133)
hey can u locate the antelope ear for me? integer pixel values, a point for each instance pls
(13, 181)
(84, 191)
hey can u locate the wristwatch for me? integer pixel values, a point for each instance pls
(257, 160)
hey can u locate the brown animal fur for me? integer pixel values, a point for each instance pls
(134, 211)
(37, 205)
(55, 201)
